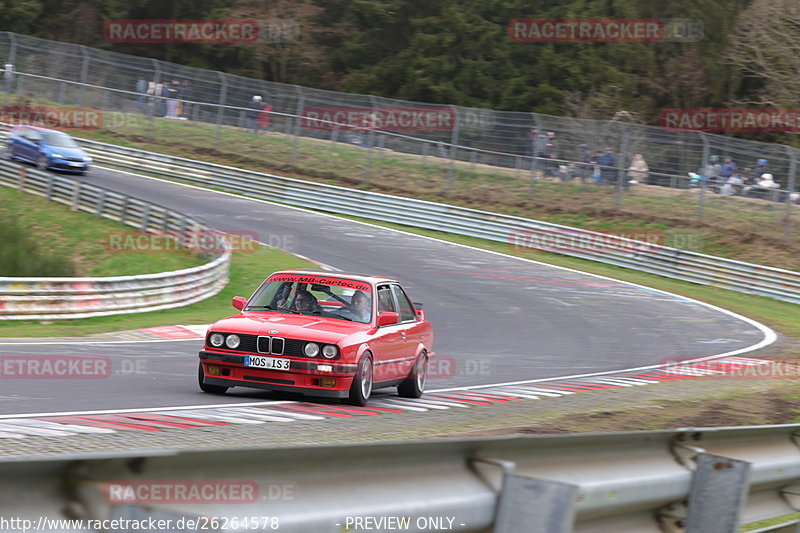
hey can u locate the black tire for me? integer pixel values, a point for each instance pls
(414, 385)
(41, 162)
(211, 389)
(361, 389)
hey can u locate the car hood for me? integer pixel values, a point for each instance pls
(312, 328)
(69, 152)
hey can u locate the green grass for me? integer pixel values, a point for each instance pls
(771, 522)
(745, 229)
(81, 239)
(247, 272)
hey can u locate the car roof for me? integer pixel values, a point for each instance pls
(359, 277)
(38, 128)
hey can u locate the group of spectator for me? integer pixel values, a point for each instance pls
(599, 167)
(725, 178)
(168, 100)
(721, 175)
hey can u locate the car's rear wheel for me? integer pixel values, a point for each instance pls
(42, 163)
(361, 389)
(414, 385)
(212, 389)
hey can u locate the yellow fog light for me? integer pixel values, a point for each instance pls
(213, 370)
(327, 382)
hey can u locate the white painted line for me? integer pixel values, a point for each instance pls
(257, 416)
(413, 403)
(161, 410)
(291, 415)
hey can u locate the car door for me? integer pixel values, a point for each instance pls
(30, 145)
(17, 143)
(387, 346)
(411, 329)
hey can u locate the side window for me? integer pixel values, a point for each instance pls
(385, 302)
(406, 309)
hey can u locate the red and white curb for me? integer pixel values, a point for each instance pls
(67, 424)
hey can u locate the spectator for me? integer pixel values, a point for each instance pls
(141, 95)
(551, 152)
(728, 169)
(173, 96)
(596, 174)
(761, 167)
(733, 186)
(765, 184)
(186, 97)
(637, 172)
(264, 117)
(532, 147)
(607, 161)
(163, 108)
(712, 168)
(252, 115)
(585, 168)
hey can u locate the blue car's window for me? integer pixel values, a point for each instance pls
(61, 140)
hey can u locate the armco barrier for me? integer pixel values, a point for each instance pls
(692, 480)
(62, 298)
(521, 232)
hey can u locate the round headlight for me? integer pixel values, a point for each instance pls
(311, 349)
(329, 351)
(232, 341)
(216, 339)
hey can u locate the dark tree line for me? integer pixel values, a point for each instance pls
(441, 51)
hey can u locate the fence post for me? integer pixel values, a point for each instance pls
(790, 188)
(223, 94)
(296, 133)
(370, 137)
(84, 76)
(154, 100)
(534, 156)
(453, 151)
(623, 147)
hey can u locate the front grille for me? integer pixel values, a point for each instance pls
(278, 346)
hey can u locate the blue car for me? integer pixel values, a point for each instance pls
(47, 149)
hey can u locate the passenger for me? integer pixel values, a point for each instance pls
(305, 302)
(360, 305)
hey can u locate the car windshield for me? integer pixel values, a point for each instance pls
(331, 297)
(61, 140)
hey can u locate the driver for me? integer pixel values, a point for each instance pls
(360, 305)
(305, 302)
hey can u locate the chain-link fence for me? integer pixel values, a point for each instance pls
(418, 147)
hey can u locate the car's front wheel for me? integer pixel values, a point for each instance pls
(414, 385)
(361, 389)
(212, 389)
(42, 163)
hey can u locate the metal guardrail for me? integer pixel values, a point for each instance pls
(521, 233)
(692, 480)
(29, 298)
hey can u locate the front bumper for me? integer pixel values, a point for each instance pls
(68, 166)
(302, 377)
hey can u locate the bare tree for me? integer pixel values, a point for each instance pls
(765, 46)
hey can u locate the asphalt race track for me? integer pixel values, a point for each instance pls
(496, 318)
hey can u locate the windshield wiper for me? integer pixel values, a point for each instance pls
(272, 308)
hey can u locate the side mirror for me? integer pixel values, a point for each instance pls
(239, 302)
(388, 318)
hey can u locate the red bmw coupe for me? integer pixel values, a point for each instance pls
(320, 334)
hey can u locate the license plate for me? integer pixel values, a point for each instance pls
(269, 363)
(76, 164)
